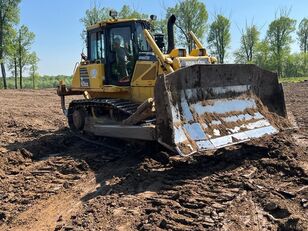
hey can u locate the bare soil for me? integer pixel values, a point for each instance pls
(52, 180)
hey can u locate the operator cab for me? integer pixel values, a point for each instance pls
(117, 44)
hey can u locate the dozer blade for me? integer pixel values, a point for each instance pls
(212, 106)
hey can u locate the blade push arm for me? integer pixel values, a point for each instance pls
(165, 61)
(196, 40)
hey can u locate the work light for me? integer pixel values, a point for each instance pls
(113, 14)
(153, 17)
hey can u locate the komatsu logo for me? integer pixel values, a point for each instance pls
(187, 63)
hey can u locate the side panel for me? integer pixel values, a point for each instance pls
(143, 80)
(140, 94)
(89, 76)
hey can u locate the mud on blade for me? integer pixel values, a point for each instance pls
(211, 106)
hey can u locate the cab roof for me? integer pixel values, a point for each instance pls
(113, 21)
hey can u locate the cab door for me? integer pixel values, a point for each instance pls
(121, 56)
(92, 74)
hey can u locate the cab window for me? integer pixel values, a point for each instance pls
(143, 46)
(97, 46)
(123, 36)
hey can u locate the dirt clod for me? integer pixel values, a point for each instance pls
(2, 216)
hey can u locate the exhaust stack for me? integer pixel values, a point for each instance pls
(171, 22)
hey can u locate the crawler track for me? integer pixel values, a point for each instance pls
(115, 109)
(124, 107)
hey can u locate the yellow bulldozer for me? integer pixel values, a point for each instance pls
(135, 87)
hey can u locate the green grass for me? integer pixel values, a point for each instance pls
(292, 79)
(40, 82)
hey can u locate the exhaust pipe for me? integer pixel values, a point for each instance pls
(171, 22)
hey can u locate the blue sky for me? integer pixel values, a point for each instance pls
(57, 26)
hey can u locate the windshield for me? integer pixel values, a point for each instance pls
(143, 45)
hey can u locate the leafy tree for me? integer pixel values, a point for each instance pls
(9, 16)
(127, 12)
(302, 34)
(25, 39)
(92, 16)
(12, 57)
(294, 65)
(303, 39)
(291, 66)
(239, 56)
(302, 60)
(279, 37)
(249, 41)
(219, 36)
(191, 16)
(262, 55)
(97, 14)
(33, 61)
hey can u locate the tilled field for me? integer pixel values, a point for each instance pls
(51, 180)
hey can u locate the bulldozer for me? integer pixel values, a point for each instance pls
(135, 87)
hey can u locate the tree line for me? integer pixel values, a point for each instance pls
(15, 45)
(273, 52)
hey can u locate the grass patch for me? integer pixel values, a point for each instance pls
(292, 79)
(40, 82)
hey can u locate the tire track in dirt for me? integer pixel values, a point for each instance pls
(47, 190)
(296, 102)
(45, 214)
(33, 176)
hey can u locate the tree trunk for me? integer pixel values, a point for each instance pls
(20, 76)
(305, 64)
(19, 61)
(20, 72)
(1, 58)
(1, 53)
(33, 80)
(3, 75)
(15, 72)
(279, 67)
(305, 43)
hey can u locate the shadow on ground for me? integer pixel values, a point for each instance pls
(137, 173)
(132, 170)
